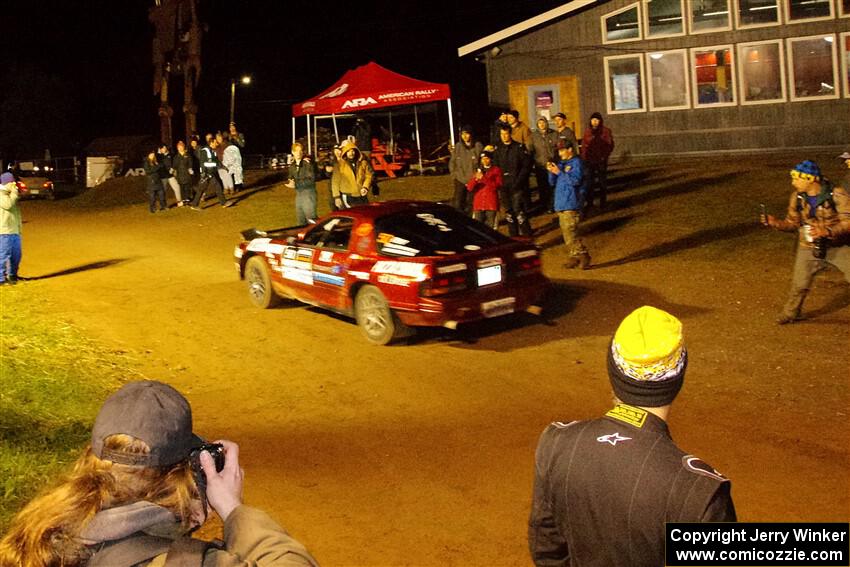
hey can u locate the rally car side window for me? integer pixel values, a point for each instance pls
(334, 233)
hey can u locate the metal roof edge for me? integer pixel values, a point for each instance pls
(522, 26)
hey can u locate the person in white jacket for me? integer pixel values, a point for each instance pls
(232, 160)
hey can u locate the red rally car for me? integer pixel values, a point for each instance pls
(393, 266)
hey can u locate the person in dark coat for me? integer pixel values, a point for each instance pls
(597, 143)
(156, 191)
(362, 133)
(183, 163)
(515, 163)
(604, 488)
(462, 165)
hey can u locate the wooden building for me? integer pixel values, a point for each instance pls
(682, 76)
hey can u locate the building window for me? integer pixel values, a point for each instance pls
(664, 18)
(813, 67)
(757, 13)
(668, 80)
(709, 15)
(624, 83)
(761, 72)
(845, 62)
(622, 25)
(713, 76)
(808, 10)
(844, 8)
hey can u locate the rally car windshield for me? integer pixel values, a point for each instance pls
(438, 232)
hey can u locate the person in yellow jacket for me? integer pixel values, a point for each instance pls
(352, 177)
(138, 491)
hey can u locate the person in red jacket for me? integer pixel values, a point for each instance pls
(597, 143)
(484, 186)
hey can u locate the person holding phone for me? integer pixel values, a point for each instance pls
(485, 185)
(139, 489)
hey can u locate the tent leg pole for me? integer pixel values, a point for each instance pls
(390, 144)
(309, 137)
(316, 133)
(418, 146)
(451, 122)
(293, 129)
(336, 131)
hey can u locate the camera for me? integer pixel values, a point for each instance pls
(819, 247)
(216, 451)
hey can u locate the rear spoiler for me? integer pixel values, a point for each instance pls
(252, 233)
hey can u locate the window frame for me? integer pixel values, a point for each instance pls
(604, 17)
(787, 7)
(782, 73)
(780, 17)
(645, 15)
(790, 61)
(695, 86)
(840, 6)
(609, 94)
(685, 68)
(730, 18)
(845, 67)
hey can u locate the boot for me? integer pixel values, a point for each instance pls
(572, 262)
(584, 261)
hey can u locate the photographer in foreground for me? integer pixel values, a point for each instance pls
(143, 485)
(820, 213)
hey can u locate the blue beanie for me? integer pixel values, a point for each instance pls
(807, 170)
(6, 178)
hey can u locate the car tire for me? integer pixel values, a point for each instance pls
(379, 324)
(259, 281)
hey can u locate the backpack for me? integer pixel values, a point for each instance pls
(135, 549)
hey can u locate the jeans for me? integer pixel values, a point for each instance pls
(10, 256)
(597, 175)
(305, 206)
(154, 195)
(487, 217)
(459, 199)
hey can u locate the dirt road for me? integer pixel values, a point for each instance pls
(422, 454)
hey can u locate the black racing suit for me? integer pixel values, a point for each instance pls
(515, 163)
(603, 490)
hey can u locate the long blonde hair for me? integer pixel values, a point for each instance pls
(45, 533)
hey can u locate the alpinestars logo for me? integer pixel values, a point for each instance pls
(355, 102)
(613, 439)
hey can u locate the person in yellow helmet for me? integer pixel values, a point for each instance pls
(604, 488)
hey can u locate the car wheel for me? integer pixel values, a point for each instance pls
(260, 290)
(380, 325)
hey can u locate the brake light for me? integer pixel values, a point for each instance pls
(447, 279)
(47, 185)
(525, 262)
(22, 186)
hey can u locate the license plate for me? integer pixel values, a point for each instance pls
(498, 307)
(34, 191)
(489, 275)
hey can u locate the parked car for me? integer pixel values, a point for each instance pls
(393, 266)
(33, 183)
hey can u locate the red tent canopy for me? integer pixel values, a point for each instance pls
(371, 86)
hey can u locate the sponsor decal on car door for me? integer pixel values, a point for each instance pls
(329, 270)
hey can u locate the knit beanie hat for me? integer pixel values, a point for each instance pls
(6, 178)
(806, 170)
(647, 358)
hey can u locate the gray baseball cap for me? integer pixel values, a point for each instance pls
(151, 411)
(845, 155)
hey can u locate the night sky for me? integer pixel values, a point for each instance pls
(74, 71)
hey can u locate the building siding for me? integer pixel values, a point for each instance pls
(573, 46)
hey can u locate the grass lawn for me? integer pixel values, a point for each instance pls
(52, 382)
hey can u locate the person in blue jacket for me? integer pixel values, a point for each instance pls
(569, 178)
